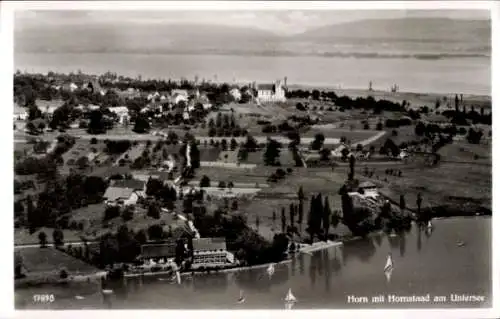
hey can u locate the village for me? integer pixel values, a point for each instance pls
(147, 176)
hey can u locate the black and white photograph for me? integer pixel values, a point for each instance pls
(256, 157)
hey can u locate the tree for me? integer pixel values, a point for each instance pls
(318, 141)
(402, 202)
(419, 203)
(57, 237)
(292, 214)
(352, 162)
(233, 144)
(205, 181)
(324, 154)
(257, 222)
(272, 153)
(141, 125)
(154, 211)
(326, 216)
(420, 129)
(283, 219)
(380, 126)
(335, 220)
(96, 124)
(42, 237)
(128, 213)
(222, 185)
(195, 155)
(274, 216)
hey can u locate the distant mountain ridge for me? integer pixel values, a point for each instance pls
(216, 39)
(420, 29)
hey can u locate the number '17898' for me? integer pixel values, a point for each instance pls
(43, 298)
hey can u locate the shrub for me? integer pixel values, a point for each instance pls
(63, 274)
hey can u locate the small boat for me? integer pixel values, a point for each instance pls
(290, 299)
(270, 270)
(429, 225)
(79, 297)
(107, 291)
(242, 298)
(389, 267)
(460, 243)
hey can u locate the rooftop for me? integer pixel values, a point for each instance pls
(209, 244)
(129, 183)
(268, 87)
(158, 250)
(115, 193)
(367, 185)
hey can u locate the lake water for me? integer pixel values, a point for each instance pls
(468, 75)
(423, 264)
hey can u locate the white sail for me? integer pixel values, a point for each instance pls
(270, 270)
(290, 297)
(429, 225)
(242, 298)
(389, 267)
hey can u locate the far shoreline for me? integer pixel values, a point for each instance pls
(351, 91)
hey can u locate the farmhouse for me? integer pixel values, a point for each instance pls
(272, 92)
(124, 192)
(210, 252)
(122, 113)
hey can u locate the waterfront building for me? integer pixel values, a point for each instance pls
(157, 252)
(209, 251)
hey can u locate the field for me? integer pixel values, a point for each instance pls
(50, 261)
(23, 237)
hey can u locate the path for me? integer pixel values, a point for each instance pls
(76, 243)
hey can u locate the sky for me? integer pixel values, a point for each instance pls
(280, 22)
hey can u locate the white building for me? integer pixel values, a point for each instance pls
(122, 113)
(210, 252)
(124, 192)
(369, 189)
(236, 94)
(272, 92)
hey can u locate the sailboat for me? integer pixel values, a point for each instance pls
(270, 270)
(107, 291)
(242, 298)
(290, 299)
(79, 297)
(429, 225)
(389, 267)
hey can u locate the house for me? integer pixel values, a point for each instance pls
(236, 94)
(122, 113)
(272, 92)
(20, 113)
(158, 252)
(369, 189)
(177, 98)
(124, 192)
(209, 251)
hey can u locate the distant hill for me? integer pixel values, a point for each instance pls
(408, 29)
(137, 38)
(366, 36)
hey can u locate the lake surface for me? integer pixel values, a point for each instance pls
(423, 264)
(466, 75)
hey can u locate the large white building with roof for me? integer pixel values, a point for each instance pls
(272, 92)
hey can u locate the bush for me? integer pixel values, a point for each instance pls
(63, 274)
(93, 140)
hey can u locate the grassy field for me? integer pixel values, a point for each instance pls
(51, 261)
(23, 237)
